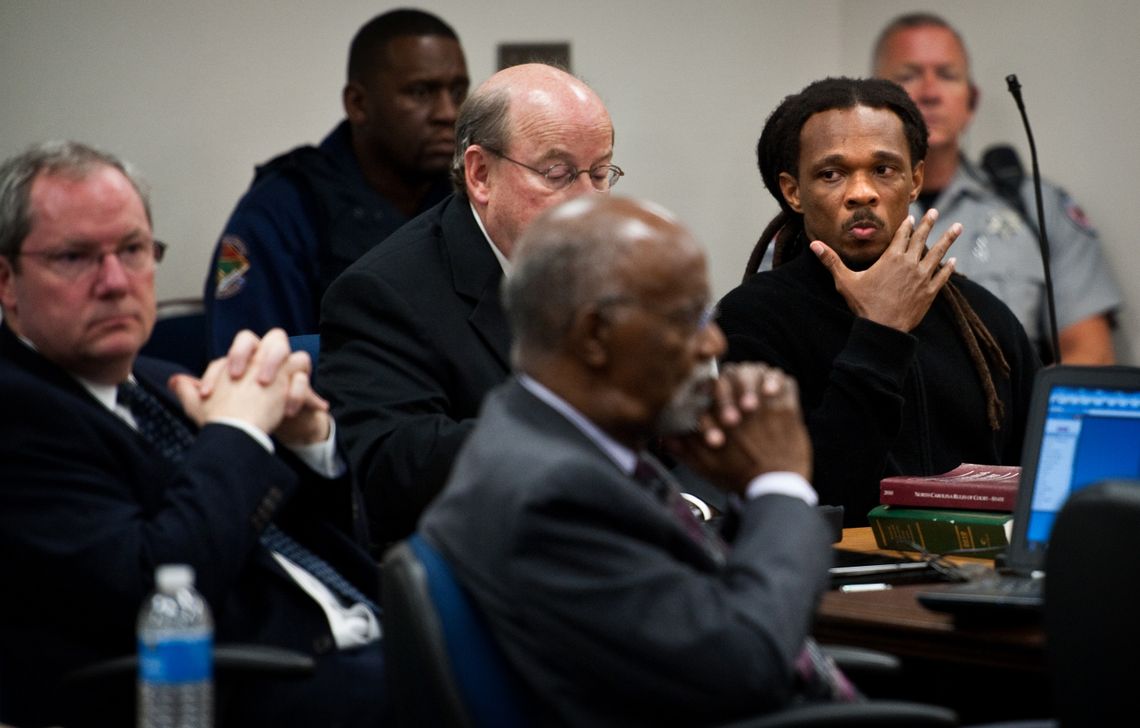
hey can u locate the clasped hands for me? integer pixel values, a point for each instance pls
(753, 426)
(260, 381)
(899, 288)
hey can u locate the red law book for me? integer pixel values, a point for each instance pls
(968, 486)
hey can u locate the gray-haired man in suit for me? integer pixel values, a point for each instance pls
(616, 606)
(112, 463)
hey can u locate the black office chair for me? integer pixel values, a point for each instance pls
(446, 669)
(180, 334)
(1092, 594)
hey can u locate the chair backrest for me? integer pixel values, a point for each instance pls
(180, 334)
(1092, 593)
(307, 342)
(310, 343)
(445, 669)
(443, 665)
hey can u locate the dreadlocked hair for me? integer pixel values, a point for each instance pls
(984, 350)
(782, 231)
(778, 152)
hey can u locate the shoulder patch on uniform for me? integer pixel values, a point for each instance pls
(233, 263)
(1077, 214)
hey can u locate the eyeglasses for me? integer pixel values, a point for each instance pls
(560, 176)
(76, 263)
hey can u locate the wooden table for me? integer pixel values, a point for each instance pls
(945, 661)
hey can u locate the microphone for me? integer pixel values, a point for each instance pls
(1015, 91)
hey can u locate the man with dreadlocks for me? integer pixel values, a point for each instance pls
(904, 367)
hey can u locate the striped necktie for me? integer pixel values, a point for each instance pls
(171, 437)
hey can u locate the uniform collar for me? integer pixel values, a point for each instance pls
(968, 181)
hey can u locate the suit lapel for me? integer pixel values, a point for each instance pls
(476, 275)
(533, 412)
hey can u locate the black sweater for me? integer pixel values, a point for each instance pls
(879, 401)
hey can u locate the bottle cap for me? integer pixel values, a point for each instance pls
(169, 578)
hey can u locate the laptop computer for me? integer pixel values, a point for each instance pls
(1083, 427)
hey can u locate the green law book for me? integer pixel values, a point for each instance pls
(939, 530)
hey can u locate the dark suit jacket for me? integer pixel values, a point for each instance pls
(612, 614)
(412, 338)
(88, 510)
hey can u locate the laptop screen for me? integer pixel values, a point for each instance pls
(1089, 431)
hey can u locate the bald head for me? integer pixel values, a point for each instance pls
(609, 302)
(536, 91)
(587, 251)
(517, 126)
(485, 118)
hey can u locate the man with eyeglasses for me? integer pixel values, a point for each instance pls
(112, 464)
(413, 334)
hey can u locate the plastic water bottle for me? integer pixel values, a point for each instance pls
(176, 660)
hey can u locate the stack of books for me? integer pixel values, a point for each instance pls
(969, 509)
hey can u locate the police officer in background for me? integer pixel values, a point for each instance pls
(314, 210)
(999, 246)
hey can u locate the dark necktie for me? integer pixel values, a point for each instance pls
(171, 437)
(817, 674)
(652, 475)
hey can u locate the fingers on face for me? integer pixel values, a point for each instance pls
(932, 262)
(947, 240)
(827, 256)
(943, 275)
(904, 236)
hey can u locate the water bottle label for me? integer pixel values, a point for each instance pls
(176, 660)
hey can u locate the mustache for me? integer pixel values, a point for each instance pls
(862, 216)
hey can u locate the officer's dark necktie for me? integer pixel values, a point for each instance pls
(171, 437)
(818, 676)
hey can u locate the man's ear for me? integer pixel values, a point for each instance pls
(355, 103)
(790, 189)
(590, 336)
(476, 173)
(918, 174)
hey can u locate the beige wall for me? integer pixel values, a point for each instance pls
(197, 93)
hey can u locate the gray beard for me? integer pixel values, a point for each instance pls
(682, 415)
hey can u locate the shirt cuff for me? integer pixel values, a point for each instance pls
(782, 483)
(322, 457)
